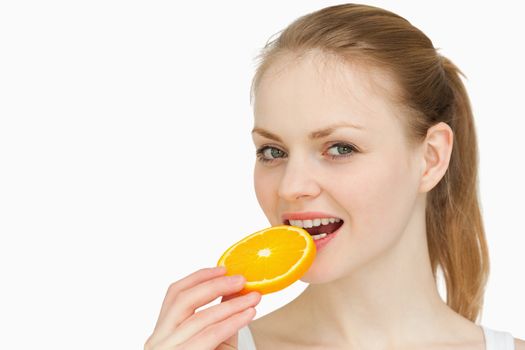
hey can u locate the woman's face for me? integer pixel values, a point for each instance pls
(362, 172)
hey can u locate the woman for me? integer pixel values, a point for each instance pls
(357, 117)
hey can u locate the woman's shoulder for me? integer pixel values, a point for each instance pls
(520, 344)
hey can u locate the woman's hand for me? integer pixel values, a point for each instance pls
(179, 327)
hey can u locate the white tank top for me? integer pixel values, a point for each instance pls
(245, 339)
(494, 340)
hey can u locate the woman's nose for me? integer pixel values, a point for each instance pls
(298, 181)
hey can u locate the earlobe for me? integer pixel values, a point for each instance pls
(437, 150)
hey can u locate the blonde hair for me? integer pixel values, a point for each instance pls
(431, 89)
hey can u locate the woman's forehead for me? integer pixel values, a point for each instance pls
(331, 70)
(315, 88)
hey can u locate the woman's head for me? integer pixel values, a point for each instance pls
(413, 150)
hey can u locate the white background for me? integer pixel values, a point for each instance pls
(126, 158)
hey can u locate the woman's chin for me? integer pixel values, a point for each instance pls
(318, 274)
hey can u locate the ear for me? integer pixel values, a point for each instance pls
(437, 149)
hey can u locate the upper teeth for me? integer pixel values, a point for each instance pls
(313, 222)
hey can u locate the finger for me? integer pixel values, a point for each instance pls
(220, 335)
(229, 297)
(212, 315)
(185, 283)
(188, 300)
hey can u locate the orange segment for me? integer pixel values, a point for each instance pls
(270, 259)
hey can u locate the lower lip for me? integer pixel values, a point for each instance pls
(320, 243)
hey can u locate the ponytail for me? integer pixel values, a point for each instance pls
(455, 231)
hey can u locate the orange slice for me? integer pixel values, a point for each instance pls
(270, 259)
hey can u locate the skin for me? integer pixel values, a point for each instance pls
(374, 297)
(372, 286)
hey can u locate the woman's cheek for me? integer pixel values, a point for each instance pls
(265, 191)
(385, 204)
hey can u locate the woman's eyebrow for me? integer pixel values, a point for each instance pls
(313, 135)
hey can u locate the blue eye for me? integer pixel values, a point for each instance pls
(344, 149)
(262, 153)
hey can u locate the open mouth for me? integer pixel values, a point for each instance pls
(317, 226)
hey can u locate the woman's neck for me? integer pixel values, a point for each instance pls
(390, 303)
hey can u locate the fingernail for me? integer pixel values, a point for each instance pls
(235, 279)
(252, 296)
